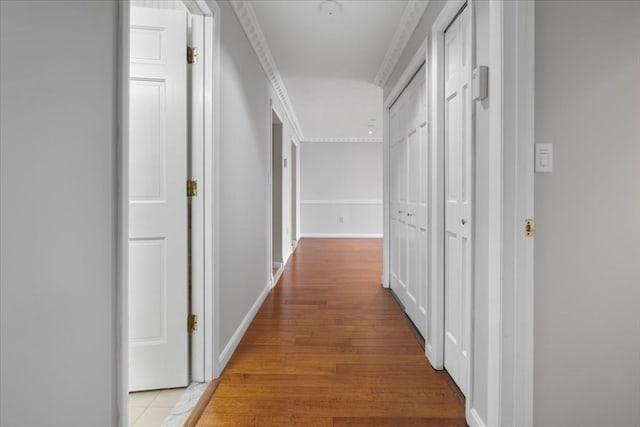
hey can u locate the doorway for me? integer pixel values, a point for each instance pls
(294, 194)
(276, 196)
(169, 131)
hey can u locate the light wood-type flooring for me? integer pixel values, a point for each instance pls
(331, 347)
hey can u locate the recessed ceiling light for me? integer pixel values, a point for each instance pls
(370, 132)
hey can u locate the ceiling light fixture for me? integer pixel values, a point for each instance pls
(370, 132)
(330, 7)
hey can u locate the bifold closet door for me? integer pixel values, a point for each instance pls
(409, 225)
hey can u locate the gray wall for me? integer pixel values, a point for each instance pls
(57, 213)
(244, 155)
(587, 269)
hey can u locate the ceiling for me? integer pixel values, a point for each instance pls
(328, 59)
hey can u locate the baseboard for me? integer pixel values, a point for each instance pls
(343, 235)
(226, 354)
(276, 265)
(475, 420)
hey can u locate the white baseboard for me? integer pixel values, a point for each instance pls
(276, 265)
(226, 354)
(475, 420)
(343, 235)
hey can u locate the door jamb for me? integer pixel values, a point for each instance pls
(295, 236)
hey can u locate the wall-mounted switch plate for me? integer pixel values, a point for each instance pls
(544, 158)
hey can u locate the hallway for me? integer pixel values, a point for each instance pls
(330, 347)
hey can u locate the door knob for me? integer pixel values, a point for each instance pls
(464, 221)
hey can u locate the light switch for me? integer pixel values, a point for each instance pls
(544, 158)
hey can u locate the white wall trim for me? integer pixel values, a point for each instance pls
(407, 25)
(475, 420)
(343, 235)
(341, 202)
(418, 58)
(249, 21)
(211, 194)
(340, 139)
(516, 352)
(122, 206)
(231, 346)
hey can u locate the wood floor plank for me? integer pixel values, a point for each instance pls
(331, 347)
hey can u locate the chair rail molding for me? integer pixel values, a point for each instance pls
(339, 139)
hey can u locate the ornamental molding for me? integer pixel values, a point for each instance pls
(249, 21)
(407, 25)
(340, 139)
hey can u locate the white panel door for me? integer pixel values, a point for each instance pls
(158, 305)
(458, 180)
(408, 200)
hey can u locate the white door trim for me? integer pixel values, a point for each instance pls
(511, 273)
(206, 299)
(272, 110)
(295, 237)
(122, 200)
(205, 136)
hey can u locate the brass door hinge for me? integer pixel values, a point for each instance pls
(192, 55)
(192, 188)
(192, 323)
(529, 228)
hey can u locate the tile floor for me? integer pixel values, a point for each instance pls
(151, 408)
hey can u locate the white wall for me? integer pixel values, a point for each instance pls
(245, 122)
(58, 213)
(587, 327)
(341, 180)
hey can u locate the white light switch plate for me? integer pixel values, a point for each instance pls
(544, 158)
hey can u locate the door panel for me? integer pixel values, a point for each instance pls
(158, 276)
(409, 224)
(458, 198)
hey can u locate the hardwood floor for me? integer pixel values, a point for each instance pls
(330, 347)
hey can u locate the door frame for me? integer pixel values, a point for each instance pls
(295, 195)
(272, 280)
(205, 119)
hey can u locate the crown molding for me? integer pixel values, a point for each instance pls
(407, 25)
(340, 139)
(249, 21)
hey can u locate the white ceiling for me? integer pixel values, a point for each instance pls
(330, 66)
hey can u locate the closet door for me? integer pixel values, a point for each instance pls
(458, 190)
(408, 199)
